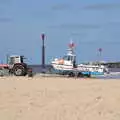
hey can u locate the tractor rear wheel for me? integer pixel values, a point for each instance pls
(19, 70)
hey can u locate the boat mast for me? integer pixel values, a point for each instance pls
(71, 48)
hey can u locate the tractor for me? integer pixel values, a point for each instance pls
(16, 65)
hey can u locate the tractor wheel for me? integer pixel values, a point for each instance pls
(19, 70)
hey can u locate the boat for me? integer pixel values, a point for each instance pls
(67, 65)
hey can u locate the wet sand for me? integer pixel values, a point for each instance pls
(55, 98)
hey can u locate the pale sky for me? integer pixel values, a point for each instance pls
(91, 24)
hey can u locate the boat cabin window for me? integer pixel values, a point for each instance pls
(68, 58)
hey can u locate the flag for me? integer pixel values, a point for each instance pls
(71, 44)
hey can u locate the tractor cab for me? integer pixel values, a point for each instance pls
(15, 59)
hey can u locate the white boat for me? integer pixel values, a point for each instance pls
(68, 64)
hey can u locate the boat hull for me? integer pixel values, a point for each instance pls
(84, 69)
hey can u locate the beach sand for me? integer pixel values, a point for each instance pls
(55, 98)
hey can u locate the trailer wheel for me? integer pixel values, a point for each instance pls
(80, 75)
(88, 75)
(71, 74)
(19, 70)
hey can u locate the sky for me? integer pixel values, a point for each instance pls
(91, 24)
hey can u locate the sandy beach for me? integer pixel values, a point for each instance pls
(55, 98)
